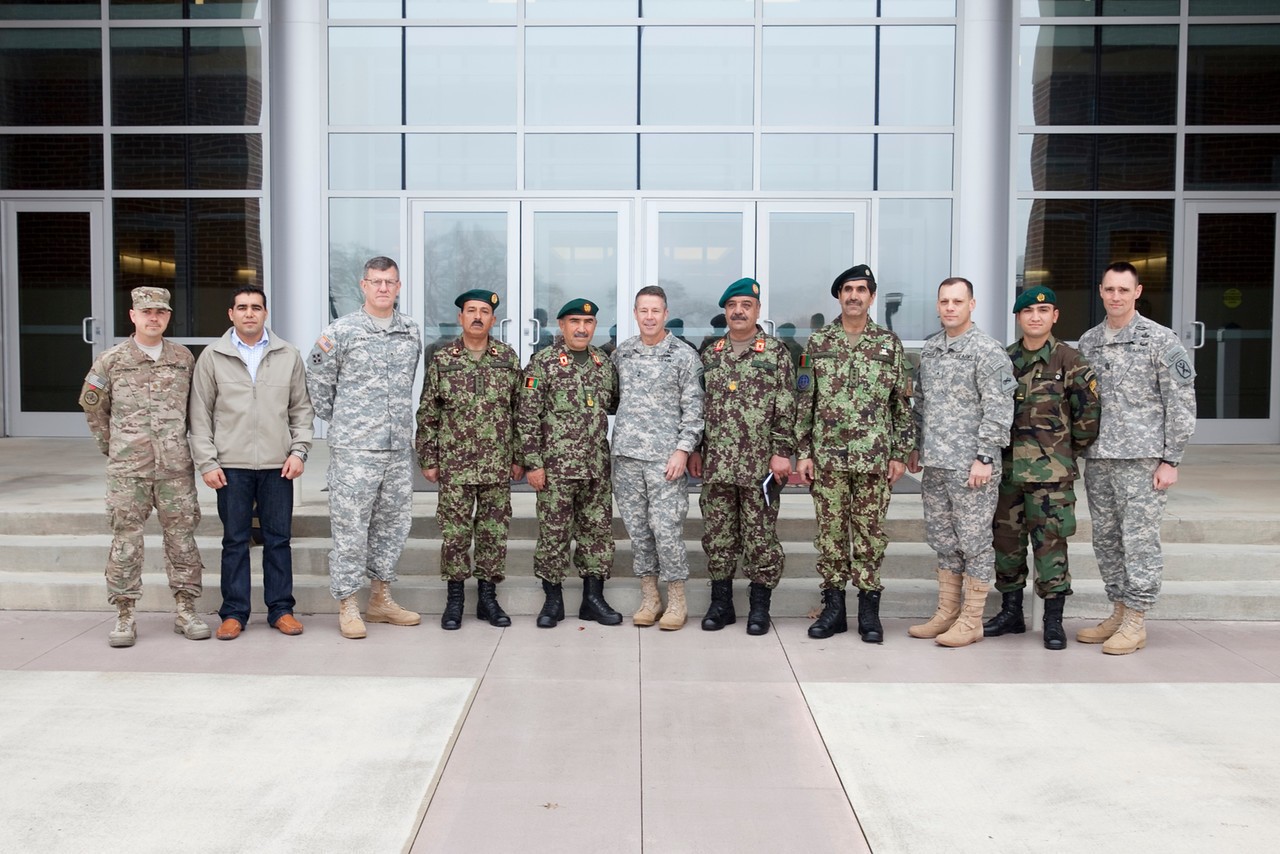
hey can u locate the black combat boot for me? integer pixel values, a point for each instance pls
(721, 613)
(553, 608)
(869, 616)
(758, 616)
(452, 617)
(1009, 621)
(833, 620)
(487, 607)
(593, 605)
(1054, 636)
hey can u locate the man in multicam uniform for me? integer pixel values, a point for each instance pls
(749, 435)
(466, 443)
(963, 411)
(360, 376)
(855, 434)
(562, 425)
(659, 424)
(1055, 418)
(1147, 387)
(135, 400)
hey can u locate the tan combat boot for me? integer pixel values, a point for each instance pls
(188, 622)
(1105, 629)
(126, 629)
(349, 622)
(677, 611)
(948, 607)
(383, 609)
(967, 628)
(650, 603)
(1130, 637)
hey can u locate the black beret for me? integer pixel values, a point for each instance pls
(860, 271)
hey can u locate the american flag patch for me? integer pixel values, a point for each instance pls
(324, 343)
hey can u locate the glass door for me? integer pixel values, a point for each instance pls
(54, 310)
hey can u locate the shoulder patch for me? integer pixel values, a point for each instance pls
(1178, 361)
(324, 343)
(96, 381)
(804, 379)
(1007, 382)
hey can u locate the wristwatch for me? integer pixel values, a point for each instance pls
(302, 455)
(984, 459)
(1170, 463)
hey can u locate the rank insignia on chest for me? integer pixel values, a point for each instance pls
(531, 382)
(759, 347)
(733, 386)
(719, 345)
(564, 360)
(596, 359)
(591, 401)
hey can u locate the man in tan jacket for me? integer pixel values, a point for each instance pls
(251, 420)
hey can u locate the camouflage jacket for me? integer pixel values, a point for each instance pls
(963, 400)
(853, 409)
(660, 399)
(1055, 413)
(1147, 387)
(466, 417)
(360, 377)
(749, 410)
(562, 418)
(137, 409)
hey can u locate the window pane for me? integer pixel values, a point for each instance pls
(156, 80)
(687, 161)
(1092, 8)
(147, 85)
(564, 161)
(917, 8)
(580, 76)
(917, 75)
(544, 9)
(1233, 162)
(226, 76)
(51, 162)
(364, 161)
(699, 8)
(460, 75)
(1228, 70)
(194, 9)
(914, 161)
(803, 161)
(50, 77)
(915, 254)
(1139, 80)
(378, 9)
(461, 9)
(364, 76)
(49, 10)
(805, 248)
(461, 250)
(818, 76)
(171, 161)
(460, 161)
(359, 229)
(696, 75)
(699, 254)
(1235, 7)
(575, 256)
(1096, 162)
(820, 9)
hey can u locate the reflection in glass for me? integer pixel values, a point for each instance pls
(1235, 7)
(460, 161)
(364, 76)
(914, 256)
(575, 256)
(914, 161)
(195, 76)
(49, 10)
(461, 250)
(806, 251)
(917, 75)
(195, 161)
(580, 161)
(460, 9)
(1095, 8)
(580, 76)
(1096, 161)
(818, 76)
(193, 9)
(358, 230)
(364, 161)
(51, 162)
(696, 75)
(545, 9)
(689, 161)
(699, 8)
(1228, 67)
(1233, 161)
(460, 75)
(699, 255)
(51, 77)
(816, 161)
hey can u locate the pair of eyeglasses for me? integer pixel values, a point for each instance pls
(379, 284)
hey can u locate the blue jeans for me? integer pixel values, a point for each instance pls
(273, 496)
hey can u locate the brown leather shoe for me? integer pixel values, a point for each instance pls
(230, 629)
(289, 625)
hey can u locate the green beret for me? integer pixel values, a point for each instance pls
(578, 306)
(1034, 295)
(860, 271)
(478, 294)
(741, 288)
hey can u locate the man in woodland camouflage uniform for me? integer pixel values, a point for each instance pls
(466, 443)
(562, 425)
(854, 426)
(135, 400)
(1055, 418)
(749, 435)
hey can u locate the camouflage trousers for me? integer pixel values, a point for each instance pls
(957, 522)
(129, 503)
(1045, 513)
(653, 509)
(737, 521)
(1126, 510)
(370, 511)
(479, 512)
(579, 510)
(850, 509)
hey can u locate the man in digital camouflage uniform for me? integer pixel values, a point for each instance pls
(360, 376)
(1147, 386)
(1055, 417)
(855, 432)
(135, 400)
(748, 437)
(466, 443)
(562, 425)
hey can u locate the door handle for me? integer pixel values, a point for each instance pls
(769, 324)
(537, 330)
(86, 330)
(502, 330)
(1197, 326)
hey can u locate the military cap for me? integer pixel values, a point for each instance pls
(741, 288)
(859, 271)
(150, 298)
(479, 295)
(578, 306)
(1038, 294)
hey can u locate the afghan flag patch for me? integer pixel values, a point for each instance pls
(531, 382)
(805, 361)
